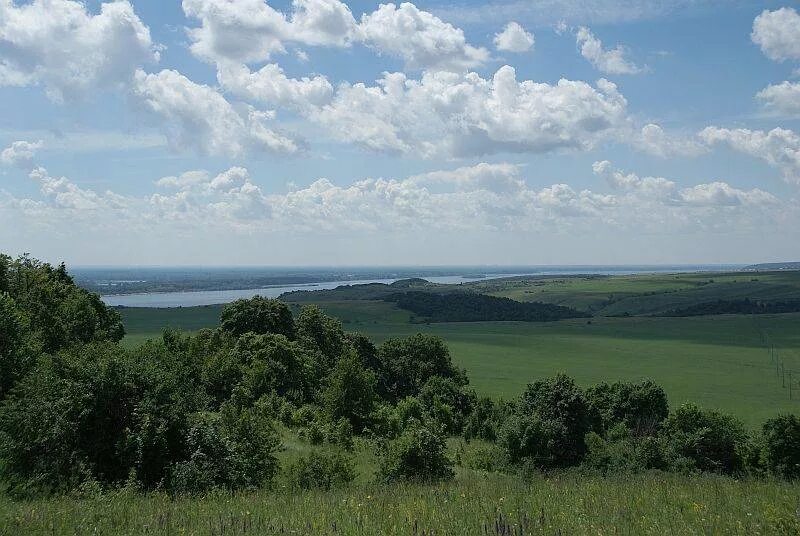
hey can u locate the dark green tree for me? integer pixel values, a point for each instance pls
(322, 332)
(418, 455)
(641, 407)
(406, 364)
(274, 364)
(781, 446)
(350, 393)
(447, 402)
(257, 315)
(17, 354)
(705, 440)
(561, 408)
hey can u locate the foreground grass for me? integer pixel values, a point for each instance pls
(473, 504)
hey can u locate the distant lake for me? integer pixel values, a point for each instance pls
(212, 297)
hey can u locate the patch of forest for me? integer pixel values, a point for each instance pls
(471, 307)
(737, 307)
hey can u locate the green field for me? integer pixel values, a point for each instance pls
(718, 362)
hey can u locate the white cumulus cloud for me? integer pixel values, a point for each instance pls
(778, 34)
(20, 152)
(779, 147)
(71, 52)
(606, 60)
(251, 31)
(271, 86)
(195, 116)
(514, 38)
(452, 114)
(782, 99)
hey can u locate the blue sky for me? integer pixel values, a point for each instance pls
(318, 132)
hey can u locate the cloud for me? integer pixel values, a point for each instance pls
(481, 198)
(269, 85)
(195, 116)
(779, 147)
(251, 31)
(654, 140)
(20, 152)
(453, 114)
(609, 61)
(782, 99)
(499, 178)
(229, 199)
(323, 22)
(421, 39)
(667, 192)
(63, 194)
(236, 30)
(58, 44)
(778, 34)
(514, 38)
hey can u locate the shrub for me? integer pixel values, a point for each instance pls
(704, 440)
(17, 355)
(340, 433)
(313, 432)
(350, 393)
(485, 420)
(67, 422)
(447, 402)
(305, 415)
(406, 364)
(640, 407)
(231, 450)
(321, 471)
(323, 333)
(489, 458)
(385, 422)
(781, 446)
(419, 455)
(621, 451)
(529, 438)
(257, 315)
(557, 418)
(274, 364)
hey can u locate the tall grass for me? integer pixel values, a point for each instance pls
(476, 503)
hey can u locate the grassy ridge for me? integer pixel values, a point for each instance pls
(475, 504)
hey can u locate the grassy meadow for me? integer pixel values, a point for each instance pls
(475, 503)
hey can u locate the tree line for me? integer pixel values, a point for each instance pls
(737, 307)
(472, 307)
(187, 413)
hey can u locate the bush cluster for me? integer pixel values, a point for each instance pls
(190, 413)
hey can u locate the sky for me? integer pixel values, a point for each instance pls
(316, 132)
